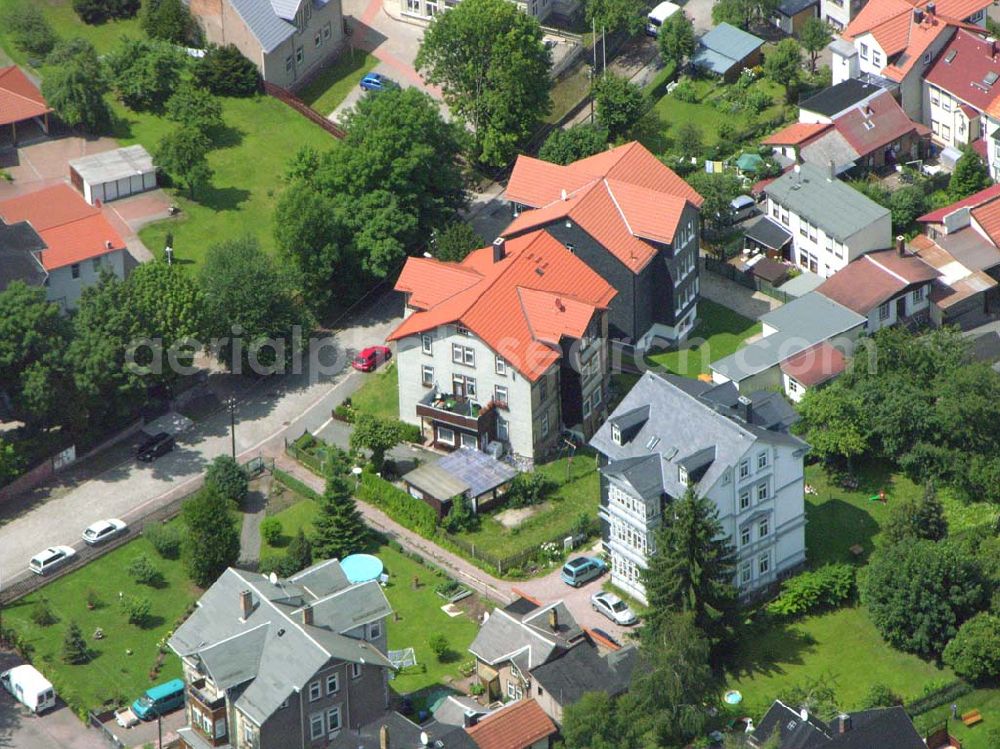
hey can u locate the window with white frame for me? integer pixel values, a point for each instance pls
(374, 630)
(883, 311)
(616, 434)
(761, 491)
(682, 474)
(500, 394)
(945, 102)
(462, 330)
(876, 58)
(918, 294)
(463, 354)
(864, 52)
(446, 436)
(586, 408)
(727, 477)
(315, 691)
(761, 460)
(248, 732)
(744, 537)
(763, 528)
(316, 726)
(946, 132)
(427, 375)
(793, 386)
(744, 468)
(333, 719)
(503, 430)
(746, 571)
(355, 670)
(501, 366)
(763, 564)
(426, 344)
(332, 683)
(744, 499)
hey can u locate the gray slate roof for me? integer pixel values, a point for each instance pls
(835, 99)
(880, 728)
(272, 652)
(766, 232)
(834, 206)
(18, 243)
(686, 417)
(525, 638)
(403, 734)
(583, 669)
(264, 23)
(801, 323)
(452, 709)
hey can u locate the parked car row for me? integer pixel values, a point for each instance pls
(580, 570)
(56, 556)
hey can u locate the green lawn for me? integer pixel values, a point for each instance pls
(418, 610)
(113, 674)
(671, 112)
(718, 332)
(986, 701)
(841, 648)
(326, 91)
(67, 24)
(379, 396)
(578, 494)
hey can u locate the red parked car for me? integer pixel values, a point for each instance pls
(371, 358)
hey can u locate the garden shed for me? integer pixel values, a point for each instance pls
(466, 472)
(107, 176)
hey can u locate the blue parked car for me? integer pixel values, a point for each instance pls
(580, 570)
(377, 82)
(159, 700)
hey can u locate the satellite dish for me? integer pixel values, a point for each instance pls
(272, 578)
(425, 740)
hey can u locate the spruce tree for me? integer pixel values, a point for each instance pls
(339, 528)
(930, 515)
(299, 553)
(692, 570)
(74, 649)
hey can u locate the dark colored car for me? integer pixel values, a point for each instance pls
(371, 358)
(154, 447)
(601, 633)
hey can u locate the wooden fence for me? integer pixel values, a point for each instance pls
(304, 109)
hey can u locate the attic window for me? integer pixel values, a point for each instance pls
(682, 474)
(950, 56)
(653, 442)
(616, 434)
(990, 78)
(869, 125)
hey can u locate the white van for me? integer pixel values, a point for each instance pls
(29, 687)
(658, 15)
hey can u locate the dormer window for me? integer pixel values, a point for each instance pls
(616, 434)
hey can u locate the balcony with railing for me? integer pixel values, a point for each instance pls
(455, 410)
(207, 695)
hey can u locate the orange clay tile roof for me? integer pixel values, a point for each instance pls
(620, 197)
(20, 99)
(987, 216)
(520, 306)
(795, 134)
(72, 229)
(515, 727)
(814, 365)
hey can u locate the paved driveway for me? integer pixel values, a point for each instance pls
(22, 729)
(127, 489)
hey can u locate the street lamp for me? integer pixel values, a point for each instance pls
(357, 471)
(231, 405)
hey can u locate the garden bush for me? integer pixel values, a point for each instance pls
(42, 614)
(136, 609)
(270, 530)
(229, 478)
(439, 646)
(99, 11)
(165, 539)
(397, 504)
(880, 695)
(529, 489)
(29, 29)
(686, 92)
(827, 587)
(974, 653)
(142, 570)
(226, 72)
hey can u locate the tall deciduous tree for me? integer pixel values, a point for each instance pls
(919, 593)
(676, 39)
(145, 73)
(228, 478)
(620, 105)
(183, 154)
(814, 36)
(914, 519)
(377, 435)
(75, 87)
(616, 15)
(970, 176)
(833, 423)
(489, 59)
(783, 65)
(253, 304)
(194, 107)
(692, 569)
(169, 20)
(574, 143)
(28, 27)
(456, 241)
(212, 542)
(599, 721)
(338, 529)
(226, 72)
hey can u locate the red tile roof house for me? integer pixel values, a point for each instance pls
(887, 287)
(508, 346)
(629, 218)
(868, 136)
(78, 241)
(895, 41)
(520, 725)
(21, 101)
(960, 87)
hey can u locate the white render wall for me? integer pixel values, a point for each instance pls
(912, 304)
(943, 115)
(65, 290)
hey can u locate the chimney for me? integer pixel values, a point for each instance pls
(563, 194)
(383, 737)
(559, 305)
(553, 619)
(900, 245)
(804, 714)
(931, 9)
(918, 15)
(746, 409)
(499, 249)
(307, 616)
(107, 244)
(832, 171)
(246, 603)
(843, 723)
(470, 718)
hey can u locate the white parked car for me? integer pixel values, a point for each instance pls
(103, 530)
(52, 557)
(613, 607)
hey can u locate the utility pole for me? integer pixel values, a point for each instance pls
(593, 68)
(604, 51)
(231, 404)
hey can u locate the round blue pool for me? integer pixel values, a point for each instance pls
(360, 568)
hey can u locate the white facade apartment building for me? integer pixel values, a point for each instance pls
(672, 434)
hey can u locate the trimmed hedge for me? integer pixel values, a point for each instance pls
(397, 504)
(283, 477)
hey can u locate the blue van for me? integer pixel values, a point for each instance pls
(159, 700)
(582, 569)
